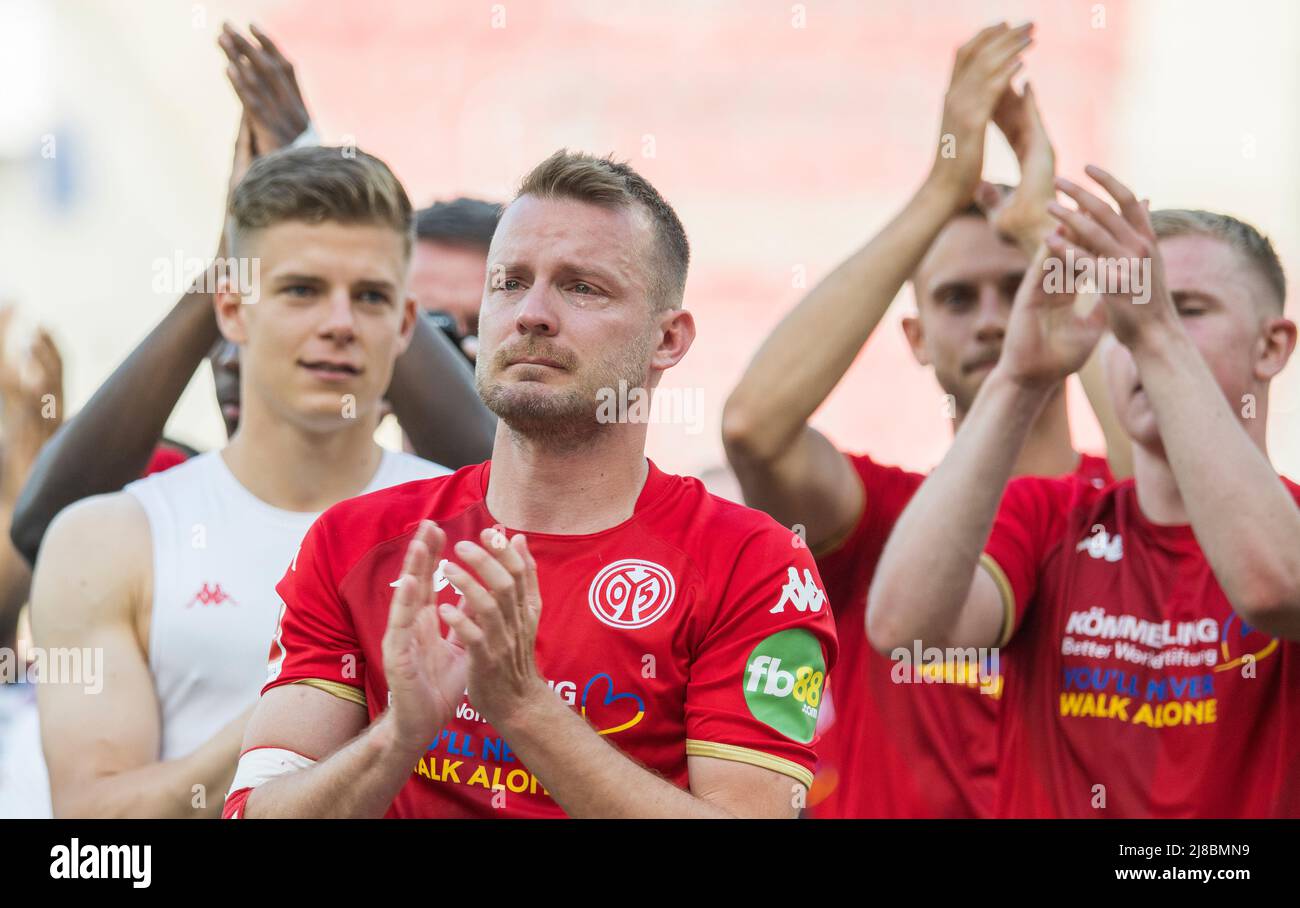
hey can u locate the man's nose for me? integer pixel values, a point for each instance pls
(537, 312)
(340, 318)
(991, 316)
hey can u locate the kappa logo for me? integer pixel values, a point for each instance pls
(440, 581)
(631, 593)
(804, 595)
(211, 596)
(1102, 545)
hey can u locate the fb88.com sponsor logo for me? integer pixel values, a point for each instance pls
(783, 682)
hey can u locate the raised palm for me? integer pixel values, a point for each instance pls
(1051, 331)
(426, 672)
(981, 73)
(1022, 213)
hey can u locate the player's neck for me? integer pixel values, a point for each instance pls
(296, 470)
(1158, 494)
(1157, 489)
(536, 487)
(1048, 451)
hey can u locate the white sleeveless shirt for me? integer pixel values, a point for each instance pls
(218, 553)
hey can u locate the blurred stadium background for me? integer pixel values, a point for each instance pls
(784, 134)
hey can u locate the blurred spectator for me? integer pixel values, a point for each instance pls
(449, 265)
(31, 403)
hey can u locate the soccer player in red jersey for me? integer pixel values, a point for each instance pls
(911, 749)
(619, 643)
(1152, 669)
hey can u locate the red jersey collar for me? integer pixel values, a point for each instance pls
(656, 485)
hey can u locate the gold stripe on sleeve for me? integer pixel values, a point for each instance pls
(342, 691)
(752, 757)
(1008, 596)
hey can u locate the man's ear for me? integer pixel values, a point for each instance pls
(1277, 344)
(676, 334)
(916, 338)
(230, 310)
(410, 314)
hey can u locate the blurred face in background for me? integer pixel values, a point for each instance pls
(331, 318)
(567, 311)
(224, 359)
(964, 287)
(448, 277)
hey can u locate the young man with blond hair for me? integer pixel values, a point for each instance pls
(172, 579)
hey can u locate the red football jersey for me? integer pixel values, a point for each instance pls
(696, 626)
(1132, 687)
(895, 750)
(164, 457)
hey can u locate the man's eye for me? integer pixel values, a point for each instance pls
(299, 290)
(1190, 311)
(582, 287)
(374, 296)
(510, 283)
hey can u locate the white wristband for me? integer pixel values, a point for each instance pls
(262, 764)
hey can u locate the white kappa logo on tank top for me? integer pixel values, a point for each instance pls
(631, 593)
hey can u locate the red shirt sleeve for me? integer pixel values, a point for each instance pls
(1030, 520)
(315, 641)
(847, 564)
(758, 674)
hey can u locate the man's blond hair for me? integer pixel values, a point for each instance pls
(318, 184)
(1238, 235)
(612, 184)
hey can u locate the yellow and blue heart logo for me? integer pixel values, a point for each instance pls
(1242, 642)
(616, 712)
